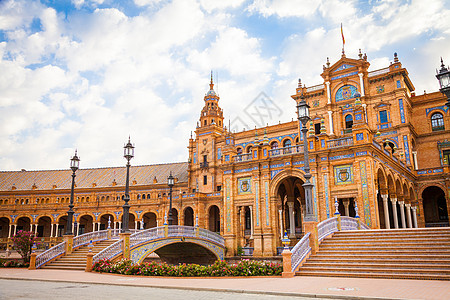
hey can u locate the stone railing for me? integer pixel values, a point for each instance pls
(349, 223)
(50, 254)
(146, 235)
(315, 88)
(286, 151)
(300, 250)
(327, 227)
(109, 252)
(378, 72)
(242, 157)
(87, 237)
(337, 143)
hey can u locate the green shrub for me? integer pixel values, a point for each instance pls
(218, 269)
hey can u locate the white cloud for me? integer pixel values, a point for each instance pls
(284, 8)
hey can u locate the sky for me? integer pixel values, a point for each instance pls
(87, 74)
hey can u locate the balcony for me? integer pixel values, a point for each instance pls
(242, 157)
(286, 151)
(338, 143)
(204, 165)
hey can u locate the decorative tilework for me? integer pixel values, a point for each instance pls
(138, 212)
(227, 172)
(55, 216)
(311, 145)
(34, 217)
(227, 157)
(365, 193)
(276, 166)
(96, 214)
(204, 133)
(343, 174)
(228, 204)
(406, 147)
(443, 107)
(266, 194)
(361, 153)
(273, 173)
(324, 158)
(380, 89)
(244, 185)
(358, 117)
(313, 180)
(399, 85)
(257, 202)
(344, 67)
(325, 184)
(402, 111)
(219, 153)
(117, 213)
(359, 136)
(322, 143)
(345, 92)
(344, 75)
(342, 156)
(13, 218)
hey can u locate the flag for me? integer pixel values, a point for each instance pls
(342, 33)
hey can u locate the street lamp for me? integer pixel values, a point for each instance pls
(170, 183)
(74, 165)
(444, 81)
(128, 153)
(303, 117)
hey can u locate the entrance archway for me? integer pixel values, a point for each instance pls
(62, 222)
(23, 223)
(434, 207)
(174, 216)
(149, 220)
(4, 227)
(214, 219)
(292, 196)
(44, 227)
(85, 224)
(188, 217)
(104, 219)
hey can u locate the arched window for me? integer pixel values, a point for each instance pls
(348, 121)
(287, 143)
(249, 149)
(437, 122)
(274, 145)
(239, 151)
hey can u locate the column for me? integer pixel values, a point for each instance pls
(414, 215)
(115, 223)
(394, 211)
(98, 226)
(15, 229)
(408, 215)
(51, 230)
(251, 221)
(35, 229)
(135, 225)
(327, 83)
(291, 220)
(10, 230)
(73, 229)
(402, 213)
(386, 210)
(346, 203)
(330, 120)
(120, 225)
(280, 214)
(57, 229)
(361, 83)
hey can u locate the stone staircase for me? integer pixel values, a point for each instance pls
(420, 253)
(77, 259)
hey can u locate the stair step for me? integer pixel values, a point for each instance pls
(357, 269)
(374, 275)
(393, 265)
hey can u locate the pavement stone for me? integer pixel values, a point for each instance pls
(301, 286)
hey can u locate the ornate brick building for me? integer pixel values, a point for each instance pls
(374, 146)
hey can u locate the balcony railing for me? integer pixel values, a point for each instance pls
(337, 143)
(242, 157)
(286, 151)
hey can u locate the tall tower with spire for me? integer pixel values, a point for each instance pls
(205, 155)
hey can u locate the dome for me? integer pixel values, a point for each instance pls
(211, 93)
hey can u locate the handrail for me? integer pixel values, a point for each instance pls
(109, 252)
(50, 254)
(242, 157)
(342, 142)
(300, 250)
(327, 227)
(85, 238)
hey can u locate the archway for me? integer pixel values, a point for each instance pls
(104, 219)
(4, 227)
(85, 224)
(174, 216)
(188, 217)
(149, 220)
(292, 197)
(214, 219)
(62, 222)
(23, 223)
(434, 207)
(44, 227)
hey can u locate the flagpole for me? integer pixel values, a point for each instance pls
(343, 41)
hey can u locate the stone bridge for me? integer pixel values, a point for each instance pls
(173, 244)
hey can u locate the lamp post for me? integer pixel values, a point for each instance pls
(128, 153)
(74, 164)
(170, 183)
(303, 117)
(444, 81)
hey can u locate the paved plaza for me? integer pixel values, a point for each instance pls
(78, 283)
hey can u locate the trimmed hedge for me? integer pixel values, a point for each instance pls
(218, 269)
(13, 263)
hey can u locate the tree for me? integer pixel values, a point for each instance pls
(23, 241)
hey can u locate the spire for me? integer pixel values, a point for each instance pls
(211, 84)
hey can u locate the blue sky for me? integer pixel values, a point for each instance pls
(85, 74)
